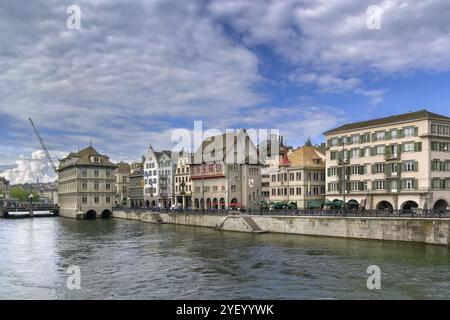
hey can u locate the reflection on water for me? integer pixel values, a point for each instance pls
(122, 259)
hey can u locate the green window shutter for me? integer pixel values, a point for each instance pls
(388, 169)
(349, 140)
(361, 153)
(361, 139)
(348, 154)
(328, 143)
(387, 135)
(374, 137)
(401, 147)
(416, 131)
(373, 151)
(387, 150)
(400, 133)
(415, 184)
(373, 169)
(374, 185)
(416, 166)
(399, 167)
(418, 146)
(365, 169)
(340, 142)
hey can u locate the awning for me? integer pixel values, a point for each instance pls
(314, 204)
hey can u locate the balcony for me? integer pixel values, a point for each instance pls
(207, 171)
(392, 156)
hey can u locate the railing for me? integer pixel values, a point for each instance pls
(410, 213)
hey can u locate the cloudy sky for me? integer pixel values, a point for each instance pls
(138, 69)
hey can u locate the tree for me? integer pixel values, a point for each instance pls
(18, 193)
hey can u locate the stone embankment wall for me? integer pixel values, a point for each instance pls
(426, 230)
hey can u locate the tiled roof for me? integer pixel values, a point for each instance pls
(83, 158)
(307, 156)
(411, 116)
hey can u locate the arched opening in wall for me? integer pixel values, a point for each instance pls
(90, 215)
(215, 203)
(202, 204)
(132, 204)
(196, 204)
(234, 203)
(222, 203)
(106, 214)
(140, 204)
(385, 206)
(353, 204)
(153, 203)
(440, 205)
(147, 203)
(208, 203)
(409, 206)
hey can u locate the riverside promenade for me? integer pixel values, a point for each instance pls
(429, 228)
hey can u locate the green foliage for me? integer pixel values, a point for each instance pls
(18, 193)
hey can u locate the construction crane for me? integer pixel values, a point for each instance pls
(44, 147)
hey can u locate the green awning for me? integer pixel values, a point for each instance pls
(314, 204)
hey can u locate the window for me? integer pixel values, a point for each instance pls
(354, 153)
(409, 166)
(333, 155)
(355, 139)
(394, 134)
(409, 132)
(108, 173)
(96, 173)
(355, 185)
(84, 186)
(379, 168)
(233, 187)
(84, 172)
(108, 199)
(380, 149)
(84, 200)
(96, 186)
(334, 142)
(380, 135)
(96, 200)
(408, 147)
(379, 185)
(408, 184)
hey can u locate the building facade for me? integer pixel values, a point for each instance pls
(224, 178)
(4, 188)
(159, 171)
(136, 192)
(183, 182)
(122, 174)
(395, 163)
(299, 178)
(86, 185)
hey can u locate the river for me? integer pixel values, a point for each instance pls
(124, 259)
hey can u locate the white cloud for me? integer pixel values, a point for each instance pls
(30, 169)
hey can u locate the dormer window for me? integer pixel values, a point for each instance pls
(95, 159)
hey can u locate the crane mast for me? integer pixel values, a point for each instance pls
(47, 154)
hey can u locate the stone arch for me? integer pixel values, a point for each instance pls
(222, 203)
(153, 203)
(215, 203)
(440, 205)
(90, 215)
(147, 204)
(234, 203)
(353, 204)
(409, 205)
(208, 203)
(196, 204)
(106, 214)
(385, 205)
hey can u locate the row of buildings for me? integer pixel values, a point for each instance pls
(393, 163)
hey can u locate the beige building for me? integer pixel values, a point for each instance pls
(122, 174)
(183, 182)
(226, 173)
(4, 188)
(299, 177)
(86, 185)
(136, 192)
(396, 163)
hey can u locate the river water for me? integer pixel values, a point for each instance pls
(124, 259)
